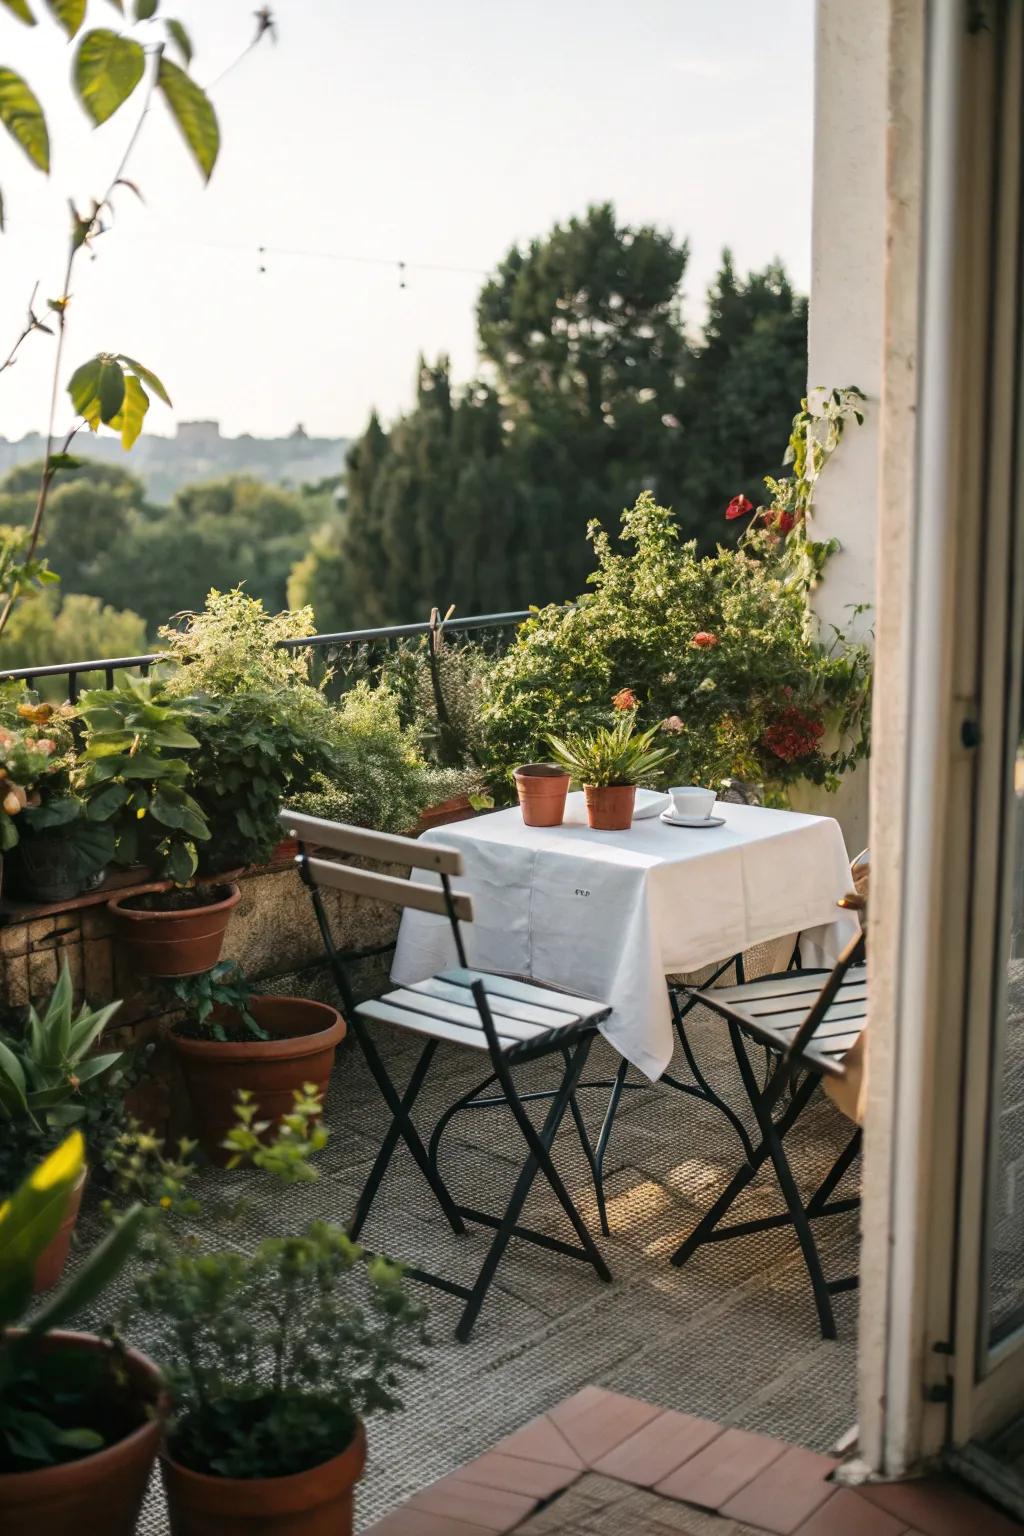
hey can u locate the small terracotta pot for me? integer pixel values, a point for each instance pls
(318, 1502)
(610, 806)
(172, 943)
(542, 789)
(306, 1035)
(50, 1263)
(444, 813)
(101, 1492)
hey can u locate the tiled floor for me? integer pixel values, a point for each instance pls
(602, 1464)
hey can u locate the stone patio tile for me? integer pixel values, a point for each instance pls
(658, 1448)
(847, 1514)
(786, 1493)
(595, 1421)
(541, 1440)
(489, 1509)
(517, 1474)
(721, 1469)
(935, 1506)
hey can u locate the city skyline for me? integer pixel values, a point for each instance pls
(275, 295)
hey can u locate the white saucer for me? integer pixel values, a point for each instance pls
(691, 821)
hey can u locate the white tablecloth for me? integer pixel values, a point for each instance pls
(610, 914)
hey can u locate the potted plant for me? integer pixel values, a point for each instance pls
(274, 1360)
(80, 1416)
(49, 1082)
(610, 762)
(542, 788)
(28, 755)
(230, 1039)
(132, 773)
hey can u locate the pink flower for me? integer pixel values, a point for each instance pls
(673, 725)
(738, 507)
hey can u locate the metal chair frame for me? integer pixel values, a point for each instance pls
(570, 1043)
(799, 1056)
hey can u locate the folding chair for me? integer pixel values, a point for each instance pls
(510, 1021)
(810, 1021)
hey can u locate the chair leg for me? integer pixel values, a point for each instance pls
(603, 1139)
(401, 1127)
(772, 1140)
(706, 1091)
(538, 1160)
(819, 1200)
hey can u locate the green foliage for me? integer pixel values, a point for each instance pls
(45, 631)
(29, 756)
(55, 1402)
(108, 390)
(130, 771)
(22, 116)
(611, 754)
(223, 986)
(300, 1135)
(193, 112)
(44, 1070)
(719, 651)
(596, 393)
(107, 69)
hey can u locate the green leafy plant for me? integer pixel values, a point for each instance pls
(130, 770)
(273, 1356)
(611, 754)
(57, 1403)
(223, 986)
(51, 1080)
(110, 389)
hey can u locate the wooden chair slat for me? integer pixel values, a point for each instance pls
(361, 842)
(399, 892)
(419, 1001)
(504, 986)
(501, 1007)
(422, 1024)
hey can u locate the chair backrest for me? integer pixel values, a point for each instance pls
(313, 832)
(793, 1057)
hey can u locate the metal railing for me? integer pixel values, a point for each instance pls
(350, 639)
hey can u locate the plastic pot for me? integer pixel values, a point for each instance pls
(609, 806)
(50, 1264)
(173, 943)
(101, 1492)
(317, 1502)
(542, 789)
(305, 1036)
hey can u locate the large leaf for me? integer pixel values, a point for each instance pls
(88, 1027)
(193, 112)
(100, 1268)
(180, 38)
(30, 1218)
(144, 9)
(70, 14)
(147, 376)
(21, 10)
(132, 414)
(107, 69)
(23, 118)
(12, 1082)
(97, 389)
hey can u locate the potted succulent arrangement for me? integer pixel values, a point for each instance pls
(50, 1081)
(131, 772)
(610, 762)
(80, 1416)
(231, 1039)
(274, 1358)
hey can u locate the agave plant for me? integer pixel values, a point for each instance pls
(610, 755)
(43, 1070)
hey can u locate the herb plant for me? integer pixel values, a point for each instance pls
(223, 986)
(611, 754)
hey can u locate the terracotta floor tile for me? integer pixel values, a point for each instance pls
(846, 1514)
(658, 1448)
(721, 1469)
(937, 1506)
(786, 1493)
(407, 1521)
(517, 1474)
(541, 1440)
(594, 1421)
(491, 1509)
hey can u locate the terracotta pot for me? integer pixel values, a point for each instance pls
(101, 1492)
(50, 1263)
(456, 809)
(318, 1502)
(610, 806)
(306, 1035)
(542, 789)
(172, 943)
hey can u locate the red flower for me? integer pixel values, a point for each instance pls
(704, 639)
(624, 699)
(785, 522)
(793, 735)
(738, 507)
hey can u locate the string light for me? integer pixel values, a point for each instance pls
(399, 264)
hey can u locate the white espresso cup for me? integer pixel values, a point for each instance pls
(693, 802)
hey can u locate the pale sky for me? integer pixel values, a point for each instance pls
(437, 133)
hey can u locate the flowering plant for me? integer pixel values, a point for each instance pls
(30, 752)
